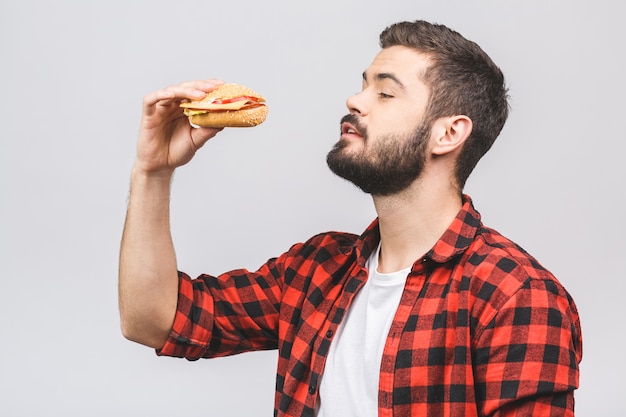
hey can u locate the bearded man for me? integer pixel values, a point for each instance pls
(426, 313)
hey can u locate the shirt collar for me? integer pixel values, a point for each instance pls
(455, 240)
(459, 235)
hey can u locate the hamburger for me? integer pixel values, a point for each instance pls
(229, 105)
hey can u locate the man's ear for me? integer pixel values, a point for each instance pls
(450, 133)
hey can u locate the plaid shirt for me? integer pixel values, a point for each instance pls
(482, 328)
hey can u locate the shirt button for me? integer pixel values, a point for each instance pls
(329, 333)
(311, 389)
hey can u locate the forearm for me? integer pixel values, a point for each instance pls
(148, 282)
(148, 278)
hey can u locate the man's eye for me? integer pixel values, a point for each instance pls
(383, 95)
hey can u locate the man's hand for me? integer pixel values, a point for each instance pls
(166, 139)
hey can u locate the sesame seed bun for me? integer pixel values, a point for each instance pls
(245, 113)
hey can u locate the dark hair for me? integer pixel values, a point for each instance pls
(462, 80)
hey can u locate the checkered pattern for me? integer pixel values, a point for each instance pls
(482, 328)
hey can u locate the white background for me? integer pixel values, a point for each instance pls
(72, 78)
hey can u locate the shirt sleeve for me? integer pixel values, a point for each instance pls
(527, 358)
(232, 313)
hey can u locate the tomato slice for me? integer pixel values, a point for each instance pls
(234, 99)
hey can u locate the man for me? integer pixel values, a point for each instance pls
(427, 313)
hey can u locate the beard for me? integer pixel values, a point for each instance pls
(386, 167)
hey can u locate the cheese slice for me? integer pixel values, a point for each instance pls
(205, 105)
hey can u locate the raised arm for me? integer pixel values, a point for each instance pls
(148, 282)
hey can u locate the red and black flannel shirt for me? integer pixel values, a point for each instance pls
(482, 328)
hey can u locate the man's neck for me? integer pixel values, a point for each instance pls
(411, 222)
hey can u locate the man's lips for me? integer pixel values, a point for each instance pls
(349, 130)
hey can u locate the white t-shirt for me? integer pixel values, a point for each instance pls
(349, 386)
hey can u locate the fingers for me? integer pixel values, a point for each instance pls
(200, 87)
(191, 90)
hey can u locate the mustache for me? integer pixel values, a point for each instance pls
(355, 121)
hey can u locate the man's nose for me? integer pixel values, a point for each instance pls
(356, 104)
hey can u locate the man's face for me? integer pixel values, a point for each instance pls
(384, 139)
